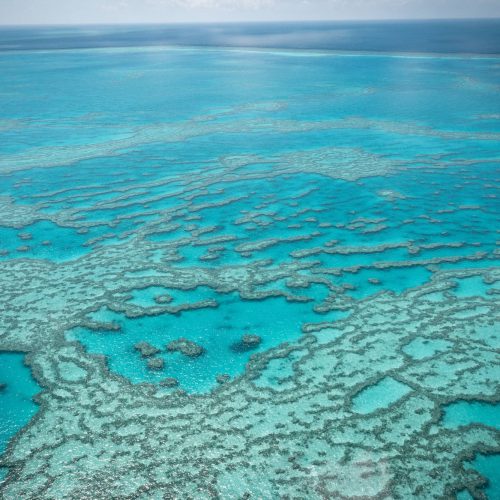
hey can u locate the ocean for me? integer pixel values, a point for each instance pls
(250, 261)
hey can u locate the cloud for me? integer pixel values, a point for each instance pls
(214, 4)
(165, 11)
(117, 5)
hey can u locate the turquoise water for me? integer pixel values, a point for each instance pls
(465, 413)
(420, 348)
(341, 207)
(488, 466)
(213, 328)
(380, 395)
(17, 389)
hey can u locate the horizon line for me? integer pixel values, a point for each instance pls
(266, 21)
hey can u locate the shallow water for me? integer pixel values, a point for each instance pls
(380, 395)
(342, 210)
(488, 466)
(470, 412)
(17, 389)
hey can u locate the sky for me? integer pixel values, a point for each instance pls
(170, 11)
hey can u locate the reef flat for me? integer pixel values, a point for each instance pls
(264, 286)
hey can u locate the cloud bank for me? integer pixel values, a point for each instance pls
(165, 11)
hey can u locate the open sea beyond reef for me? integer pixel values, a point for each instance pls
(250, 261)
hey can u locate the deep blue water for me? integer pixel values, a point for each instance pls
(480, 36)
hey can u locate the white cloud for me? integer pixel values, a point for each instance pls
(164, 11)
(225, 4)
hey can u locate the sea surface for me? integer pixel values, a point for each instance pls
(250, 261)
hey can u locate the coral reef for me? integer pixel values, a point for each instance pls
(156, 363)
(186, 347)
(146, 349)
(361, 251)
(169, 382)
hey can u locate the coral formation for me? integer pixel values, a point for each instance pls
(186, 347)
(363, 257)
(146, 349)
(156, 363)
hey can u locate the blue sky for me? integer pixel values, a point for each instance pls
(164, 11)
